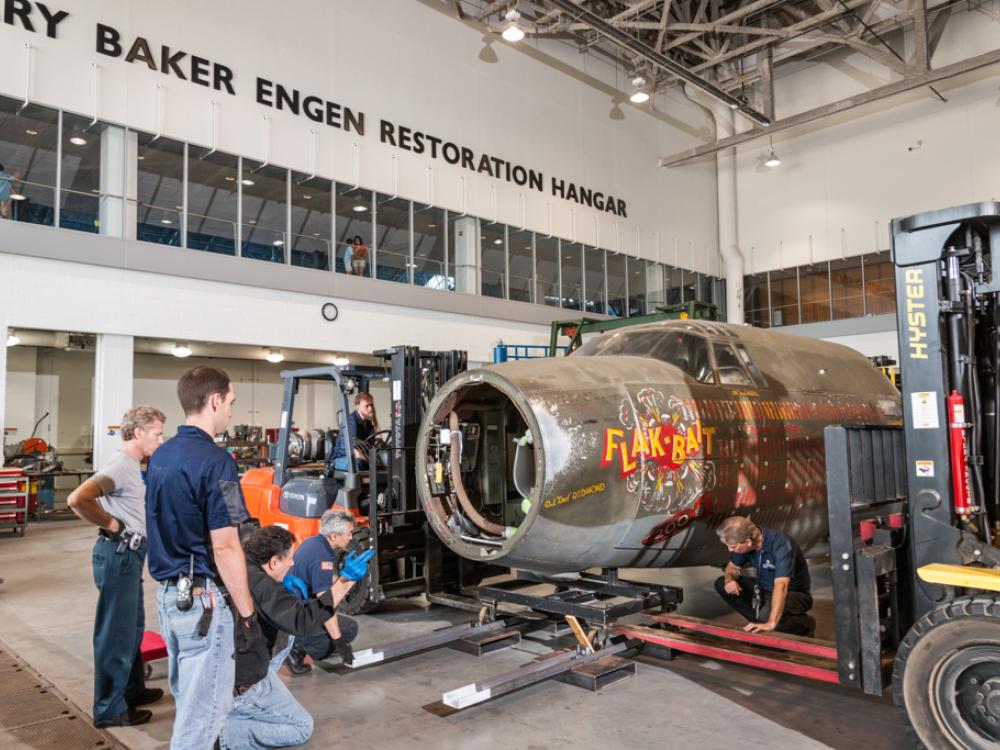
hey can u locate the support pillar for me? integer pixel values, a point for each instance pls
(656, 289)
(112, 209)
(3, 379)
(465, 255)
(113, 371)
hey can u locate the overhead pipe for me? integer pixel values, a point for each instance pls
(159, 113)
(27, 78)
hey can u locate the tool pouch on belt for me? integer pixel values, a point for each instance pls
(252, 654)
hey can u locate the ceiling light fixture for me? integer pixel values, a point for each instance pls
(31, 131)
(13, 339)
(341, 361)
(278, 243)
(181, 351)
(307, 197)
(18, 197)
(513, 32)
(360, 208)
(772, 158)
(248, 182)
(166, 221)
(78, 141)
(230, 178)
(275, 356)
(639, 94)
(498, 241)
(140, 158)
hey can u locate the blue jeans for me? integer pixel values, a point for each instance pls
(340, 463)
(202, 669)
(267, 715)
(118, 627)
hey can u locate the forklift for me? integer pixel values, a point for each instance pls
(294, 493)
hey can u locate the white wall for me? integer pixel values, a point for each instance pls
(842, 181)
(407, 62)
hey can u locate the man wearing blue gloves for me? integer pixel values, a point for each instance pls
(265, 714)
(316, 563)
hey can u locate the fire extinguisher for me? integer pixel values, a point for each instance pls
(959, 445)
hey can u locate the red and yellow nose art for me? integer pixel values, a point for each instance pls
(666, 444)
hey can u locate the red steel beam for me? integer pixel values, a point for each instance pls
(752, 660)
(823, 649)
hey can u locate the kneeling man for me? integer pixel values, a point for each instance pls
(265, 714)
(778, 597)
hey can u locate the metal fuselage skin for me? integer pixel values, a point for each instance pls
(636, 461)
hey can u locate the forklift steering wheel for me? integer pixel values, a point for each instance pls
(386, 436)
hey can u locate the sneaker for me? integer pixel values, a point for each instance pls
(147, 696)
(130, 717)
(296, 662)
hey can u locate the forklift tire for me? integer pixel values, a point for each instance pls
(358, 600)
(946, 675)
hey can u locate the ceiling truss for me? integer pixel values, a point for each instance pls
(731, 49)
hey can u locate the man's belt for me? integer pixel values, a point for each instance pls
(199, 581)
(132, 539)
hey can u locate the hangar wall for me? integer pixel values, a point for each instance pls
(842, 181)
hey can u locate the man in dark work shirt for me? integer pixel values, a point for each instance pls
(361, 424)
(778, 598)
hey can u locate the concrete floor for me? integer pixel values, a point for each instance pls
(46, 615)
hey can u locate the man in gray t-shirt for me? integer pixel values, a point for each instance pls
(114, 500)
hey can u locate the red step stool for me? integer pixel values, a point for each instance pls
(153, 647)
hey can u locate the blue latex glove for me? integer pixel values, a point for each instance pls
(355, 566)
(295, 585)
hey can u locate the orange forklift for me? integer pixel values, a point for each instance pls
(294, 492)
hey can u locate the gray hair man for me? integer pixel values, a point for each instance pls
(317, 563)
(777, 597)
(113, 500)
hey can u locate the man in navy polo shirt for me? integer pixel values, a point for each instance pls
(360, 423)
(316, 564)
(194, 506)
(778, 597)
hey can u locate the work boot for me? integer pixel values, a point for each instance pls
(296, 661)
(147, 696)
(811, 627)
(130, 717)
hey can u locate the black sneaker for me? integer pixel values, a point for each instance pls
(130, 717)
(296, 661)
(147, 696)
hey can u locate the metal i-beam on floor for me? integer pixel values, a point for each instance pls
(436, 639)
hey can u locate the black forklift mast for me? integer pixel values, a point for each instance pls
(947, 271)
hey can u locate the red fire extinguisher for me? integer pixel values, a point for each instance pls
(959, 454)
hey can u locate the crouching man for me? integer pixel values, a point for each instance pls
(778, 596)
(265, 714)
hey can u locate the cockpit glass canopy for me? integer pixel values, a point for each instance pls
(687, 351)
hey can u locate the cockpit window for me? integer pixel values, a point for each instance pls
(731, 372)
(685, 350)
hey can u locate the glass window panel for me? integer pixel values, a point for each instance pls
(159, 189)
(354, 227)
(731, 371)
(814, 291)
(784, 298)
(429, 264)
(755, 301)
(212, 201)
(675, 286)
(28, 143)
(492, 259)
(463, 253)
(636, 286)
(719, 287)
(547, 270)
(656, 290)
(617, 285)
(848, 294)
(691, 289)
(264, 233)
(311, 244)
(880, 284)
(683, 350)
(594, 280)
(392, 239)
(88, 197)
(521, 279)
(572, 275)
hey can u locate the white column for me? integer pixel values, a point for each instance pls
(113, 367)
(466, 255)
(131, 208)
(112, 211)
(725, 168)
(3, 378)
